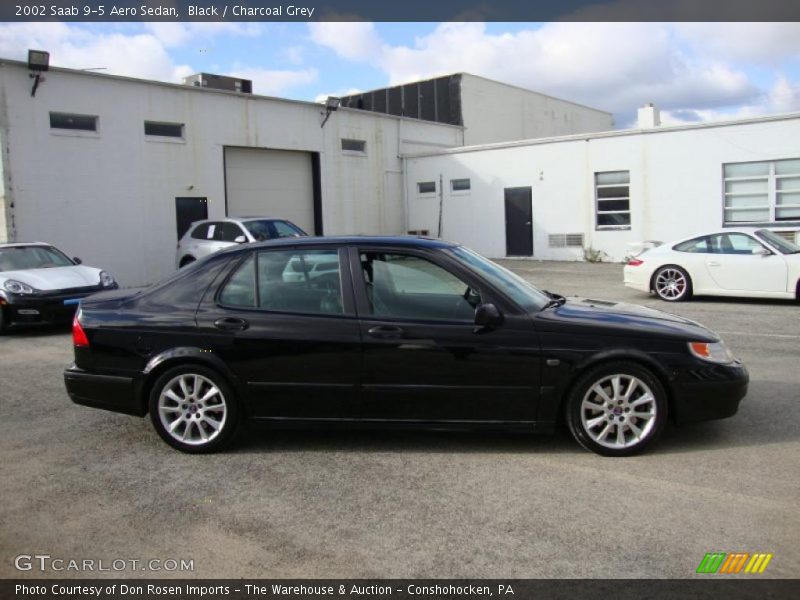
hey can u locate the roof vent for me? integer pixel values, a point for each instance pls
(649, 117)
(219, 82)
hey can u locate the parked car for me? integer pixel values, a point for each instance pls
(745, 262)
(39, 284)
(403, 332)
(206, 237)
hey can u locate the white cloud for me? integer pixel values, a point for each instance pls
(274, 82)
(755, 43)
(354, 41)
(613, 66)
(348, 92)
(137, 55)
(178, 34)
(782, 97)
(144, 54)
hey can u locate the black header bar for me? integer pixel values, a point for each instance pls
(396, 11)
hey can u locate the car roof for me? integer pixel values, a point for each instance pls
(405, 241)
(21, 244)
(237, 220)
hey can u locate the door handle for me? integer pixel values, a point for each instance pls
(386, 332)
(231, 324)
(713, 263)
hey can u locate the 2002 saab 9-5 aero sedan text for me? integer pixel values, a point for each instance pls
(393, 331)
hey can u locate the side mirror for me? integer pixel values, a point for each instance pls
(240, 239)
(761, 251)
(77, 260)
(486, 317)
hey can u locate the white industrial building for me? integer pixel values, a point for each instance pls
(111, 169)
(553, 198)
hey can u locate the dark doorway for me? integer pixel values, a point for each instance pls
(189, 210)
(519, 222)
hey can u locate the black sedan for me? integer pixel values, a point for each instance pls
(396, 331)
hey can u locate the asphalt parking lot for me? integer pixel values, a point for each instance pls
(83, 483)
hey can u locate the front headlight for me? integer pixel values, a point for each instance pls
(714, 352)
(17, 287)
(106, 280)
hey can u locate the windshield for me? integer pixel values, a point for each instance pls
(19, 258)
(519, 290)
(269, 229)
(783, 245)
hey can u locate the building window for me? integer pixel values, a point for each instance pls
(460, 185)
(359, 146)
(613, 199)
(758, 192)
(171, 130)
(73, 122)
(426, 187)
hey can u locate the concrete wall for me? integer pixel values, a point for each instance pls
(108, 197)
(496, 112)
(676, 184)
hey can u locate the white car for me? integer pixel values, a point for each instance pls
(745, 262)
(209, 236)
(40, 284)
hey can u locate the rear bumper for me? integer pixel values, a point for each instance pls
(109, 392)
(710, 392)
(636, 278)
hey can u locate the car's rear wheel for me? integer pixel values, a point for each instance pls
(187, 260)
(672, 284)
(193, 409)
(617, 409)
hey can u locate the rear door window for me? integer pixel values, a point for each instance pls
(294, 281)
(201, 231)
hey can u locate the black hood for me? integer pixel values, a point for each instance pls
(608, 317)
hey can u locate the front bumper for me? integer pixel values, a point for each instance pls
(44, 308)
(709, 392)
(110, 392)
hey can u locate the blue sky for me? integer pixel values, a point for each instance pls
(693, 71)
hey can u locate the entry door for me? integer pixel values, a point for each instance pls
(189, 210)
(519, 222)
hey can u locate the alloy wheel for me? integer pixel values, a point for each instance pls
(671, 284)
(192, 409)
(618, 411)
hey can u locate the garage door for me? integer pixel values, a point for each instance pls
(270, 183)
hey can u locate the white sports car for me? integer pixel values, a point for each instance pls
(40, 284)
(746, 262)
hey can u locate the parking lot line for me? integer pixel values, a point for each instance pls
(751, 334)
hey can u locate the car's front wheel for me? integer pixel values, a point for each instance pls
(672, 284)
(617, 409)
(193, 409)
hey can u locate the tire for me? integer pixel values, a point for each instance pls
(2, 321)
(672, 284)
(602, 420)
(186, 260)
(181, 397)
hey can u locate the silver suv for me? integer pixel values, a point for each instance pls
(206, 237)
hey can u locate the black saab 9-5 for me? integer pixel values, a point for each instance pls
(390, 331)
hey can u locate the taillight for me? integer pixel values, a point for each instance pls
(79, 339)
(635, 262)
